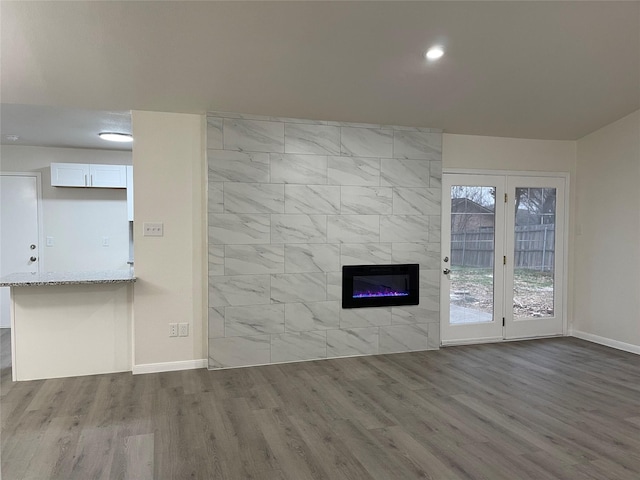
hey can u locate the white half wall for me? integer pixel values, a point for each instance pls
(77, 219)
(169, 172)
(607, 247)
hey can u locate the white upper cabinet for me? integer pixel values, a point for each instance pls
(69, 174)
(130, 192)
(88, 175)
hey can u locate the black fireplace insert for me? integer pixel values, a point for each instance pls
(380, 285)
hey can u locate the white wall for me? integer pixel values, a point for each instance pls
(77, 218)
(607, 267)
(169, 173)
(498, 153)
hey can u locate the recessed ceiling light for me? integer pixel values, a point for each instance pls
(434, 53)
(116, 137)
(12, 138)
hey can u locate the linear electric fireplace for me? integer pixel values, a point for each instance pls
(379, 285)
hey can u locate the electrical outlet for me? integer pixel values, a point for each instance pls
(152, 229)
(183, 329)
(173, 329)
(105, 241)
(49, 241)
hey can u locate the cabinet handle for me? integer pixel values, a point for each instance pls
(85, 180)
(91, 176)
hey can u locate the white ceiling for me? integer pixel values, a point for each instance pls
(550, 70)
(62, 127)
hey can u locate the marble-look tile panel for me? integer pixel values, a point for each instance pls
(354, 171)
(334, 286)
(239, 228)
(214, 132)
(253, 198)
(227, 166)
(238, 290)
(297, 346)
(216, 322)
(216, 259)
(433, 340)
(435, 174)
(403, 338)
(425, 312)
(356, 341)
(417, 145)
(429, 308)
(430, 281)
(365, 253)
(353, 228)
(434, 228)
(215, 197)
(314, 257)
(298, 228)
(397, 172)
(416, 201)
(366, 142)
(298, 287)
(365, 317)
(366, 200)
(302, 169)
(404, 228)
(311, 139)
(253, 259)
(302, 317)
(311, 199)
(239, 351)
(250, 116)
(426, 254)
(253, 136)
(253, 320)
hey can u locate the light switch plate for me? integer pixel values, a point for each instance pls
(152, 229)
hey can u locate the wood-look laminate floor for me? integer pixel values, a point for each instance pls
(544, 409)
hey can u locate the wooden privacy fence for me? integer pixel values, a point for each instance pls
(534, 248)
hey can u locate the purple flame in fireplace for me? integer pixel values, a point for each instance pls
(387, 292)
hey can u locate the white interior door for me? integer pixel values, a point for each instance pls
(19, 236)
(503, 257)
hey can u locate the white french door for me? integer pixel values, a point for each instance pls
(503, 257)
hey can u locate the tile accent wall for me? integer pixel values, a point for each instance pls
(289, 202)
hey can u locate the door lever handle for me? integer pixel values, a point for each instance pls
(446, 271)
(33, 259)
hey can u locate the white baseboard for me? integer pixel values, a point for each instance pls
(169, 366)
(627, 347)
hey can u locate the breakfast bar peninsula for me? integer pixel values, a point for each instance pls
(70, 324)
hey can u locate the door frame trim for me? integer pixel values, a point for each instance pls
(566, 324)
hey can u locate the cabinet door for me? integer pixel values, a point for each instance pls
(130, 192)
(108, 176)
(69, 175)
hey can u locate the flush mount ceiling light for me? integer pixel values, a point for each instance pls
(116, 137)
(12, 138)
(434, 53)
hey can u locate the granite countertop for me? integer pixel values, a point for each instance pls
(66, 278)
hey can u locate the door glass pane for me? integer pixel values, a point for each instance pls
(533, 277)
(472, 253)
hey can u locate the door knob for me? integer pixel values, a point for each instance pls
(32, 246)
(446, 259)
(446, 271)
(33, 259)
